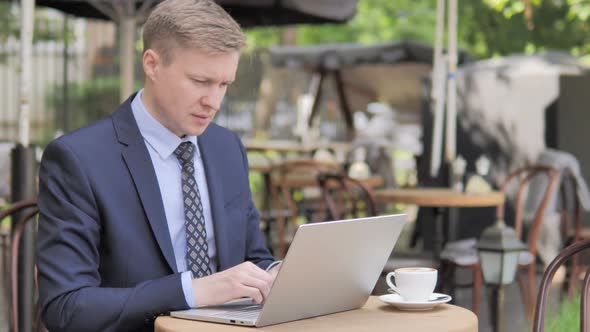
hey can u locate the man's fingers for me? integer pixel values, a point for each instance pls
(251, 275)
(257, 272)
(244, 280)
(253, 293)
(262, 285)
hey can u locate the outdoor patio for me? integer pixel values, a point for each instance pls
(468, 116)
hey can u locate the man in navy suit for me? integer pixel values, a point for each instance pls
(149, 210)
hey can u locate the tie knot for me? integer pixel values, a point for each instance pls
(185, 152)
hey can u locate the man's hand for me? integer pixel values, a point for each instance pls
(244, 280)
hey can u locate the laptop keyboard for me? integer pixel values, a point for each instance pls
(247, 313)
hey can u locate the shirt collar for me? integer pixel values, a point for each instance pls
(160, 138)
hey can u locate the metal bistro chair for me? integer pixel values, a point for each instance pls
(30, 211)
(564, 255)
(287, 178)
(572, 229)
(346, 197)
(468, 258)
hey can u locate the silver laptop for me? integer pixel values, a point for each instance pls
(330, 267)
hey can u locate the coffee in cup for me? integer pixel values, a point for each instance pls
(413, 284)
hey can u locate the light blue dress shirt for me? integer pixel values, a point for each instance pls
(161, 144)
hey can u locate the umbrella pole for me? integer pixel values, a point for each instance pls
(65, 88)
(24, 174)
(437, 89)
(126, 51)
(451, 122)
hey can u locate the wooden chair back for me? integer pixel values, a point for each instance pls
(30, 211)
(346, 197)
(524, 176)
(572, 228)
(546, 189)
(287, 177)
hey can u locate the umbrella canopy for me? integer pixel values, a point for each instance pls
(127, 14)
(248, 13)
(514, 95)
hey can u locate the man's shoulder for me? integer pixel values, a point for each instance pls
(219, 134)
(97, 135)
(93, 145)
(94, 134)
(216, 130)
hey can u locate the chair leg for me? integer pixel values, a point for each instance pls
(279, 224)
(477, 282)
(573, 276)
(532, 291)
(523, 292)
(447, 282)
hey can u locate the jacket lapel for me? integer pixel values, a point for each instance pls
(137, 159)
(216, 198)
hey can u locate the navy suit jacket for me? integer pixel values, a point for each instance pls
(104, 253)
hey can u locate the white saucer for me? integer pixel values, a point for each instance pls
(398, 302)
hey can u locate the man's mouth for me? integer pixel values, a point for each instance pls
(201, 119)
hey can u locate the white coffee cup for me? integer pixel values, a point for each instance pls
(414, 284)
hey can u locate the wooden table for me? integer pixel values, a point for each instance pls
(277, 145)
(266, 167)
(374, 316)
(374, 181)
(292, 146)
(439, 198)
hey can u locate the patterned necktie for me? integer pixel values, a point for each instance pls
(197, 259)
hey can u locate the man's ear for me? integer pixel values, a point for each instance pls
(151, 63)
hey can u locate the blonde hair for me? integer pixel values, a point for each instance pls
(198, 24)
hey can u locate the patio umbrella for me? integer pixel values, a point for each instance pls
(249, 13)
(444, 72)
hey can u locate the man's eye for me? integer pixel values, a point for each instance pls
(199, 81)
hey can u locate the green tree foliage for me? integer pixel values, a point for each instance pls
(378, 21)
(8, 21)
(499, 27)
(46, 27)
(486, 27)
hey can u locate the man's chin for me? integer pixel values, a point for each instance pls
(197, 130)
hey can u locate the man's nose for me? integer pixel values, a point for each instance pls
(214, 97)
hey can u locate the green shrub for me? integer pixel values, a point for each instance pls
(566, 318)
(87, 101)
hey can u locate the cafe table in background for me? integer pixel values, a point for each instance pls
(285, 146)
(439, 198)
(374, 316)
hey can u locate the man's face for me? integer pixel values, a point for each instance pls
(185, 94)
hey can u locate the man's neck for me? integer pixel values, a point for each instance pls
(151, 106)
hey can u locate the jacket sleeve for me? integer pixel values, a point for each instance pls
(68, 257)
(256, 250)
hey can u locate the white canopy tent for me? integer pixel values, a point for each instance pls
(506, 99)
